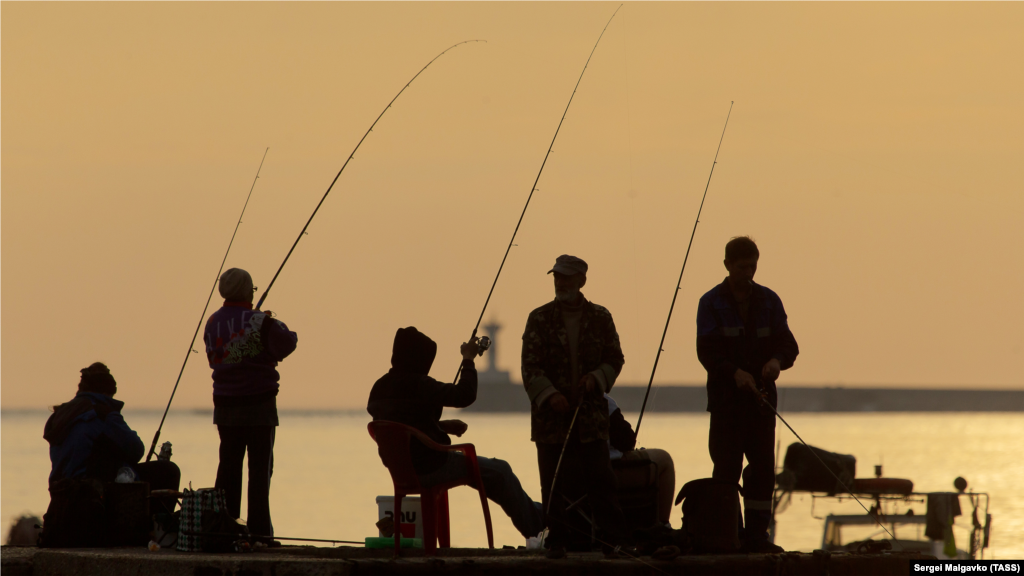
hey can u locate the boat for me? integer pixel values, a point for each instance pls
(893, 521)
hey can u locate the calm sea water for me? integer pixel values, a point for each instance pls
(327, 473)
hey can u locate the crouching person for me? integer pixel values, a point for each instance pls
(407, 395)
(89, 444)
(622, 448)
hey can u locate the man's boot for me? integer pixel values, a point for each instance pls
(755, 533)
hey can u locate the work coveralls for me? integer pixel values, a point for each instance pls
(726, 341)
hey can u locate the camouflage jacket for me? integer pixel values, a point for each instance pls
(546, 365)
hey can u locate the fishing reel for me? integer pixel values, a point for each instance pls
(484, 343)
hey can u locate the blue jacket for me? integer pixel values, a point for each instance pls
(726, 343)
(244, 347)
(89, 437)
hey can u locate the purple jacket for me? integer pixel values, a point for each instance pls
(244, 347)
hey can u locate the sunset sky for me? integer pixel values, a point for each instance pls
(875, 153)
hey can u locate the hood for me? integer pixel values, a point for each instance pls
(65, 416)
(413, 351)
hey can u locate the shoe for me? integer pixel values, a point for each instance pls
(666, 553)
(555, 553)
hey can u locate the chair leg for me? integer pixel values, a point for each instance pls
(444, 532)
(487, 515)
(398, 522)
(428, 507)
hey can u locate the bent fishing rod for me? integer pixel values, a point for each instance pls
(156, 437)
(763, 398)
(343, 166)
(533, 189)
(675, 293)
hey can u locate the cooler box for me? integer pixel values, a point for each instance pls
(412, 516)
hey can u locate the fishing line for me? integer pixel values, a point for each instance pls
(617, 549)
(764, 401)
(349, 159)
(532, 190)
(260, 537)
(156, 437)
(675, 294)
(558, 466)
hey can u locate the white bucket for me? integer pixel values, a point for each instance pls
(412, 514)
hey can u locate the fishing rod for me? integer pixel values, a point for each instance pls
(485, 343)
(764, 401)
(156, 437)
(675, 294)
(349, 159)
(551, 499)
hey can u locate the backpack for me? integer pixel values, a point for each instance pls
(711, 515)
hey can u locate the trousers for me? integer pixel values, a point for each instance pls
(750, 433)
(502, 487)
(586, 470)
(258, 441)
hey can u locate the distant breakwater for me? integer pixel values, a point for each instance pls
(693, 398)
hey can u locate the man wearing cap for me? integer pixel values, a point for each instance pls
(244, 346)
(744, 341)
(571, 357)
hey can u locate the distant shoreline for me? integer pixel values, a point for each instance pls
(693, 398)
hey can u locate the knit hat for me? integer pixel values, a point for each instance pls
(97, 378)
(413, 351)
(236, 285)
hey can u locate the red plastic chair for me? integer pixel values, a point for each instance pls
(393, 447)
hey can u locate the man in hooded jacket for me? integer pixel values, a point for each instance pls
(407, 395)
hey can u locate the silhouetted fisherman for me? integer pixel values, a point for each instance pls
(571, 357)
(89, 444)
(244, 347)
(408, 395)
(744, 341)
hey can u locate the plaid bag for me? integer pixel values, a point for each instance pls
(193, 504)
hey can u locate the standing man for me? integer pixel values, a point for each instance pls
(744, 341)
(244, 347)
(571, 357)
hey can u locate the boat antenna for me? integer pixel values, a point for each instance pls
(675, 293)
(764, 401)
(534, 189)
(349, 159)
(156, 437)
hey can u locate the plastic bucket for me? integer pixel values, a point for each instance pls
(412, 515)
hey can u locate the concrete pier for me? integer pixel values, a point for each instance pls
(338, 561)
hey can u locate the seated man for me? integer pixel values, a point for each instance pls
(621, 444)
(407, 395)
(89, 443)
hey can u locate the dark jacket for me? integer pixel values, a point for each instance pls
(407, 395)
(244, 347)
(88, 437)
(620, 433)
(726, 343)
(546, 363)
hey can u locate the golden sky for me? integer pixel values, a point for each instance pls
(874, 152)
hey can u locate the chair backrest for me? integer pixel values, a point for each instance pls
(393, 448)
